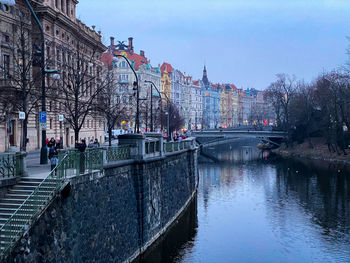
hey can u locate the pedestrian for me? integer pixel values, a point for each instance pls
(53, 157)
(81, 146)
(51, 143)
(96, 143)
(91, 144)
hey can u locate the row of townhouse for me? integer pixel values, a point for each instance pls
(169, 84)
(201, 103)
(65, 37)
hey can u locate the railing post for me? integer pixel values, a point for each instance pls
(137, 143)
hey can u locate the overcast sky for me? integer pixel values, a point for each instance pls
(245, 42)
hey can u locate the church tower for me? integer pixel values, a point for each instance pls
(205, 77)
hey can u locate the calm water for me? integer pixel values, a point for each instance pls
(253, 209)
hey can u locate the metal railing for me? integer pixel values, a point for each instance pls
(11, 165)
(117, 153)
(71, 163)
(33, 205)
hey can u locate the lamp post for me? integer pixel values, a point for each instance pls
(137, 120)
(152, 84)
(159, 92)
(43, 151)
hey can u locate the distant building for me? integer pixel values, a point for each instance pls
(196, 110)
(126, 91)
(211, 102)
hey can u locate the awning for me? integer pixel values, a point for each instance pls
(8, 2)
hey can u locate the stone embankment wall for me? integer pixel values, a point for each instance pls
(112, 217)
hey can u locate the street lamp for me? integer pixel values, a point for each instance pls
(137, 120)
(43, 151)
(168, 104)
(152, 84)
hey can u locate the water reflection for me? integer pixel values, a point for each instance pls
(253, 210)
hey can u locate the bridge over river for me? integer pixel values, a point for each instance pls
(215, 137)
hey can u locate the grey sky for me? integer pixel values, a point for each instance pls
(245, 42)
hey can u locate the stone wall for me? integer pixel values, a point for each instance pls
(111, 217)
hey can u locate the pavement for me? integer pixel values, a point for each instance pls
(35, 169)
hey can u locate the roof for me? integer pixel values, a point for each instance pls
(137, 59)
(134, 58)
(168, 67)
(196, 82)
(233, 87)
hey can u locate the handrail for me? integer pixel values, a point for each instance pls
(34, 204)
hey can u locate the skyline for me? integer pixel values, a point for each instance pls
(241, 42)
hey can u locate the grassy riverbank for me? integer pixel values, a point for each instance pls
(318, 150)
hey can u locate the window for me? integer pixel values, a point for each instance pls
(5, 38)
(56, 4)
(67, 7)
(48, 52)
(6, 66)
(50, 123)
(5, 8)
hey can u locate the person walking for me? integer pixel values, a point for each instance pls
(53, 157)
(96, 143)
(81, 147)
(91, 144)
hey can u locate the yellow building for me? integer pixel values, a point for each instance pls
(166, 70)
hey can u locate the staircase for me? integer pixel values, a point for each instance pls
(20, 206)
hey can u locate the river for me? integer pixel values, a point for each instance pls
(251, 208)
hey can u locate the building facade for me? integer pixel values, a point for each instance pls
(211, 103)
(125, 80)
(62, 32)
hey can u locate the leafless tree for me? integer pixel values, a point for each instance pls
(20, 81)
(77, 92)
(108, 104)
(279, 94)
(176, 121)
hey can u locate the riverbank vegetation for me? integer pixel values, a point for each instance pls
(316, 115)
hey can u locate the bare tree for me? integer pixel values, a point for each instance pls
(20, 82)
(77, 93)
(279, 94)
(176, 121)
(109, 106)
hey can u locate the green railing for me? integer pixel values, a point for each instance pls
(28, 211)
(117, 153)
(11, 165)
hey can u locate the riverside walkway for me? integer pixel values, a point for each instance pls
(26, 192)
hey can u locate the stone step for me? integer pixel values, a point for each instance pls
(20, 201)
(4, 220)
(24, 197)
(28, 183)
(26, 207)
(31, 187)
(47, 182)
(9, 205)
(32, 179)
(13, 228)
(26, 192)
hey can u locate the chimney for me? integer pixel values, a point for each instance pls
(112, 41)
(130, 46)
(142, 53)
